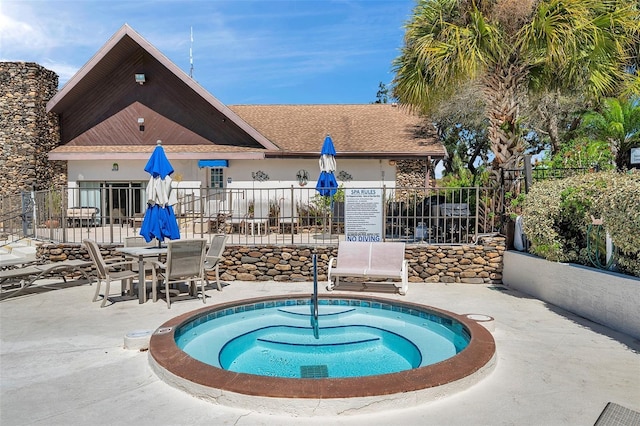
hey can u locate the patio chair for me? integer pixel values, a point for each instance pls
(213, 258)
(260, 216)
(111, 270)
(138, 242)
(288, 216)
(239, 213)
(185, 263)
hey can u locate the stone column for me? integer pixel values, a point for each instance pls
(27, 132)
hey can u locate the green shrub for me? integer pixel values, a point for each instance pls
(557, 214)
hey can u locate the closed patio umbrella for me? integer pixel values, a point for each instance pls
(327, 184)
(159, 220)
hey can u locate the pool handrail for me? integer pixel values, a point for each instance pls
(315, 297)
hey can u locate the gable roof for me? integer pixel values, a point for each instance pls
(106, 85)
(100, 105)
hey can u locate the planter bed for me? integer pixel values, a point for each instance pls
(604, 297)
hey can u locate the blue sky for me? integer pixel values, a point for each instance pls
(244, 52)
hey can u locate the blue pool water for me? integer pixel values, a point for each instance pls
(351, 338)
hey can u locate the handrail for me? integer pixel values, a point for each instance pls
(314, 301)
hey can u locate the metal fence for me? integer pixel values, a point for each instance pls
(251, 216)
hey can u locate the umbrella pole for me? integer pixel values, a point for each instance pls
(330, 216)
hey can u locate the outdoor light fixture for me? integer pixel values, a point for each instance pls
(140, 79)
(115, 167)
(141, 124)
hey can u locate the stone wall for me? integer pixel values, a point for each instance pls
(410, 173)
(472, 264)
(27, 132)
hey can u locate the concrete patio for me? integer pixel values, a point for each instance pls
(62, 362)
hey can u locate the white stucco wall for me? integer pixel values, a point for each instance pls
(128, 170)
(281, 172)
(238, 178)
(604, 297)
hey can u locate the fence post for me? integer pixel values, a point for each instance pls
(51, 212)
(384, 213)
(477, 213)
(110, 189)
(293, 202)
(528, 173)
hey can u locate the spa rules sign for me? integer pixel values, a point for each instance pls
(363, 214)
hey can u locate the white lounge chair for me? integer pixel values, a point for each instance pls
(239, 213)
(288, 215)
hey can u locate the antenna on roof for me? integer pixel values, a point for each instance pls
(191, 55)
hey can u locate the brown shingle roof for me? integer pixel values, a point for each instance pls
(368, 129)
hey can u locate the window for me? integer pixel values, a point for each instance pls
(217, 179)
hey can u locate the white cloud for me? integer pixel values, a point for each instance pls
(19, 36)
(65, 71)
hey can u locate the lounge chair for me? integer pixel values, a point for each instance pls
(185, 263)
(288, 215)
(27, 275)
(108, 271)
(239, 213)
(213, 258)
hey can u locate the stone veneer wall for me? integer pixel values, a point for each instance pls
(473, 264)
(409, 174)
(27, 132)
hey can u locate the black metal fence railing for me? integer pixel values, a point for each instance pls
(517, 177)
(292, 215)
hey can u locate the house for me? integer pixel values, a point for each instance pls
(129, 95)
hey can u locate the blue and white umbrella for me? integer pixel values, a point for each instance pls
(159, 220)
(327, 184)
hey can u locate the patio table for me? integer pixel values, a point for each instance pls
(141, 253)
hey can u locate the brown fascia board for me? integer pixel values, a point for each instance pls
(104, 156)
(126, 30)
(358, 155)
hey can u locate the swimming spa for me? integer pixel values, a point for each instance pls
(473, 349)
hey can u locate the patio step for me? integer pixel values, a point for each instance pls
(24, 249)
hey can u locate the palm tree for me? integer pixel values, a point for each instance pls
(618, 123)
(515, 47)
